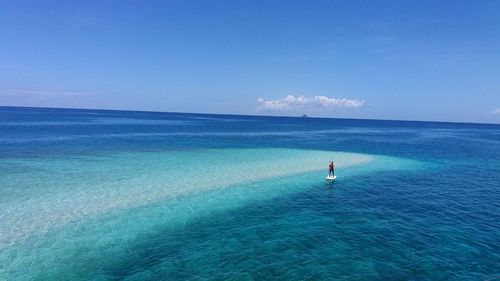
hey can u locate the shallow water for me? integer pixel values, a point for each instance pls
(107, 195)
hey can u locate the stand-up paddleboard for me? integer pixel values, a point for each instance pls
(331, 178)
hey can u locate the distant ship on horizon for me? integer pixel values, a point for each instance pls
(304, 116)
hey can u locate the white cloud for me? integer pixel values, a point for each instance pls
(302, 102)
(37, 93)
(496, 111)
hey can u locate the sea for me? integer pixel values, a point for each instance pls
(129, 195)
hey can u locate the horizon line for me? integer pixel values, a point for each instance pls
(251, 115)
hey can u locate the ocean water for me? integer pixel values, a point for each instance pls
(121, 195)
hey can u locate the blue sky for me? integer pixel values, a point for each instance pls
(414, 60)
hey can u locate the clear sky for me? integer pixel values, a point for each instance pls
(417, 60)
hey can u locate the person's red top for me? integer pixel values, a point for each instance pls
(331, 166)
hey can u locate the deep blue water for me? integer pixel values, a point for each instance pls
(122, 195)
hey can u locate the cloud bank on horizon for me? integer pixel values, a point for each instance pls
(291, 102)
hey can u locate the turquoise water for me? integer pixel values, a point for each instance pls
(116, 195)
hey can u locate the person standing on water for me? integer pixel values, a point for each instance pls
(332, 169)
